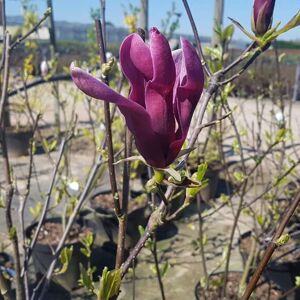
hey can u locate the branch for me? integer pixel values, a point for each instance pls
(60, 77)
(196, 35)
(111, 167)
(12, 231)
(271, 248)
(20, 39)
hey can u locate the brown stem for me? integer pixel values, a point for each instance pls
(23, 204)
(19, 40)
(124, 204)
(48, 199)
(155, 220)
(136, 250)
(156, 263)
(241, 200)
(39, 81)
(200, 219)
(12, 231)
(111, 167)
(271, 248)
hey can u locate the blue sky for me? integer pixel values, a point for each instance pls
(79, 11)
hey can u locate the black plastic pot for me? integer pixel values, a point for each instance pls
(6, 266)
(136, 217)
(245, 251)
(18, 142)
(42, 258)
(232, 288)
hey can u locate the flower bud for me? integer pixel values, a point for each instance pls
(262, 16)
(151, 186)
(44, 68)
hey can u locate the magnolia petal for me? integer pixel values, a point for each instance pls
(177, 57)
(94, 88)
(141, 57)
(135, 77)
(262, 15)
(137, 118)
(189, 88)
(163, 63)
(161, 113)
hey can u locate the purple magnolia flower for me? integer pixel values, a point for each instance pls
(165, 89)
(262, 16)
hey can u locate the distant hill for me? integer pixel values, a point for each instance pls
(75, 31)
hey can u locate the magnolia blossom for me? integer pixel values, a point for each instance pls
(165, 89)
(262, 16)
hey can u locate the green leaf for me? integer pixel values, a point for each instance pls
(224, 199)
(228, 32)
(131, 158)
(12, 232)
(260, 220)
(282, 240)
(86, 278)
(174, 174)
(165, 269)
(201, 171)
(87, 241)
(65, 258)
(141, 230)
(50, 146)
(297, 281)
(109, 284)
(239, 176)
(36, 210)
(2, 202)
(294, 22)
(248, 34)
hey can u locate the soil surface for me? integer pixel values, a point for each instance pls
(264, 291)
(51, 233)
(106, 202)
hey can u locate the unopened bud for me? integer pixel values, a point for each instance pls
(106, 68)
(158, 176)
(151, 186)
(44, 68)
(262, 16)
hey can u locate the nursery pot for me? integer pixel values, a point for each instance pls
(18, 141)
(264, 290)
(285, 266)
(7, 269)
(245, 243)
(138, 210)
(42, 256)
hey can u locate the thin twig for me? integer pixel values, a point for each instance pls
(23, 204)
(124, 205)
(196, 35)
(3, 17)
(271, 248)
(47, 202)
(111, 167)
(157, 269)
(22, 38)
(12, 231)
(6, 70)
(39, 81)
